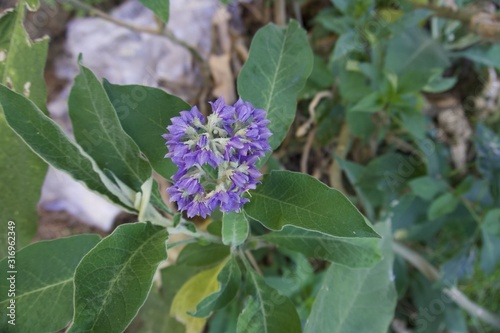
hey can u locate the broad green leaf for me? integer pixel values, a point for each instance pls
(160, 7)
(455, 319)
(202, 255)
(22, 61)
(488, 55)
(353, 252)
(235, 228)
(48, 140)
(488, 151)
(414, 56)
(32, 5)
(490, 230)
(174, 277)
(438, 84)
(366, 196)
(43, 284)
(225, 319)
(444, 204)
(320, 79)
(267, 311)
(21, 171)
(144, 113)
(354, 8)
(344, 46)
(21, 175)
(229, 279)
(356, 299)
(361, 124)
(294, 279)
(414, 121)
(488, 158)
(331, 22)
(460, 267)
(426, 296)
(342, 5)
(370, 103)
(193, 292)
(279, 62)
(427, 187)
(98, 131)
(153, 316)
(113, 280)
(291, 198)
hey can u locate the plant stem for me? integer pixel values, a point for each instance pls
(180, 229)
(182, 242)
(252, 260)
(432, 274)
(249, 261)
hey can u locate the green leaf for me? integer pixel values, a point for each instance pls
(44, 284)
(414, 56)
(342, 5)
(202, 255)
(370, 103)
(344, 47)
(488, 55)
(331, 22)
(144, 113)
(48, 140)
(295, 278)
(21, 174)
(153, 316)
(427, 296)
(160, 7)
(279, 62)
(32, 5)
(444, 204)
(356, 299)
(21, 60)
(235, 228)
(488, 158)
(225, 319)
(229, 279)
(490, 230)
(267, 311)
(353, 252)
(98, 131)
(113, 280)
(438, 84)
(427, 187)
(193, 292)
(354, 8)
(16, 159)
(300, 200)
(321, 78)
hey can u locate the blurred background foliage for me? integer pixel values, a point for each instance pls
(403, 109)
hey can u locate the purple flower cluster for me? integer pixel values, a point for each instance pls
(216, 156)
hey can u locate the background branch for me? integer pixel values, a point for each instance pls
(432, 274)
(161, 31)
(486, 25)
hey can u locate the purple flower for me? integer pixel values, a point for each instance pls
(216, 156)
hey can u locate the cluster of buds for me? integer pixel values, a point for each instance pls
(216, 156)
